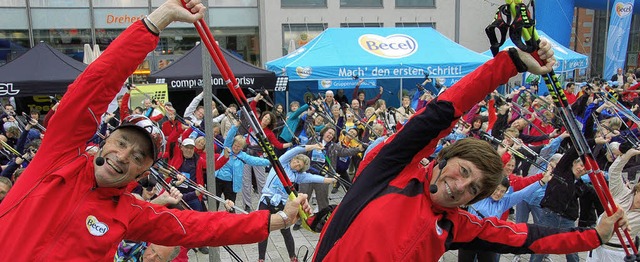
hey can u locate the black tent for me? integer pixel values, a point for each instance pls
(42, 70)
(186, 73)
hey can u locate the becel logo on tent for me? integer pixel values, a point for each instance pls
(6, 89)
(393, 46)
(623, 9)
(325, 83)
(303, 72)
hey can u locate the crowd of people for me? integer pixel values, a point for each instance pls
(461, 169)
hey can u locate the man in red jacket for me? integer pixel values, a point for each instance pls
(400, 210)
(70, 206)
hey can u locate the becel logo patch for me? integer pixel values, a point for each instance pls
(623, 9)
(6, 89)
(303, 72)
(393, 46)
(325, 83)
(96, 227)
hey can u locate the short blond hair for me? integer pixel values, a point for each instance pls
(305, 160)
(512, 131)
(198, 139)
(6, 181)
(240, 140)
(369, 110)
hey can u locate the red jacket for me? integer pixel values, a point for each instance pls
(267, 131)
(201, 165)
(518, 183)
(546, 128)
(56, 212)
(171, 131)
(387, 215)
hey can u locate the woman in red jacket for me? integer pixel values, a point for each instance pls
(399, 210)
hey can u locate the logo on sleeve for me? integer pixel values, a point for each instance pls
(96, 227)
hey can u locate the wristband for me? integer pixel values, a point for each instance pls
(520, 66)
(284, 217)
(153, 24)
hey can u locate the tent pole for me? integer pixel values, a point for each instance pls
(400, 92)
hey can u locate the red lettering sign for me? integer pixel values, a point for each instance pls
(123, 19)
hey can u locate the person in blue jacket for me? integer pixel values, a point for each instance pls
(229, 176)
(293, 119)
(274, 197)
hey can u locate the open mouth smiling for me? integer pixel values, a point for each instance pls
(114, 166)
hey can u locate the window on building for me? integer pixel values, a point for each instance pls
(360, 3)
(59, 3)
(119, 3)
(304, 3)
(296, 35)
(244, 42)
(362, 24)
(598, 41)
(415, 3)
(250, 3)
(13, 3)
(416, 24)
(17, 43)
(175, 42)
(68, 41)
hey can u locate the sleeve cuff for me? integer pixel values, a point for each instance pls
(148, 29)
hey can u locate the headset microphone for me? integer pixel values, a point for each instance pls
(433, 188)
(100, 159)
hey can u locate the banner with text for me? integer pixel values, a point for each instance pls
(157, 92)
(618, 38)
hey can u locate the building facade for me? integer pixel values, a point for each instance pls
(263, 30)
(258, 30)
(68, 25)
(288, 24)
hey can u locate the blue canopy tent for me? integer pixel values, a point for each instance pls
(394, 58)
(567, 60)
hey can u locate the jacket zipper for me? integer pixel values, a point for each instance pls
(66, 223)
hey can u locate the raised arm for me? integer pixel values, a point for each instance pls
(418, 137)
(193, 105)
(619, 190)
(437, 119)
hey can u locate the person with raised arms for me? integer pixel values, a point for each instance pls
(70, 206)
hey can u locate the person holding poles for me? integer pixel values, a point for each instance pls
(400, 210)
(69, 206)
(274, 196)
